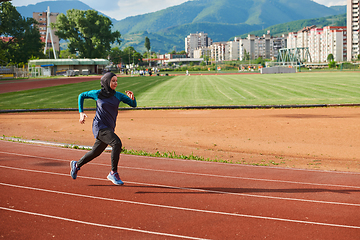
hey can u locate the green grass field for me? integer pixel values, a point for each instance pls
(205, 90)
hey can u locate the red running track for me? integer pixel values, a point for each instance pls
(31, 83)
(169, 199)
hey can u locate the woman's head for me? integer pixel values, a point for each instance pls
(108, 81)
(108, 85)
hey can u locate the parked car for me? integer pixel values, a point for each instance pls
(85, 72)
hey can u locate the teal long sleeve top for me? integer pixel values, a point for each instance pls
(106, 109)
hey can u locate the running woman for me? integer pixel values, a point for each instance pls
(103, 127)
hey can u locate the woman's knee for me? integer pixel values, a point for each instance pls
(116, 144)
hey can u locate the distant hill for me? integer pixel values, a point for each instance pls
(253, 12)
(284, 28)
(339, 8)
(59, 6)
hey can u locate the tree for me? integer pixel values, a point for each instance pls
(261, 61)
(330, 57)
(116, 55)
(206, 59)
(180, 53)
(147, 43)
(23, 38)
(87, 32)
(67, 54)
(246, 55)
(130, 56)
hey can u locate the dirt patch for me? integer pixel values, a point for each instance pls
(312, 138)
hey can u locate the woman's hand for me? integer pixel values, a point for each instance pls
(130, 94)
(82, 118)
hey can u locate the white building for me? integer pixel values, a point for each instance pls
(321, 42)
(313, 41)
(334, 41)
(218, 50)
(232, 50)
(195, 41)
(292, 40)
(266, 46)
(244, 49)
(353, 42)
(202, 52)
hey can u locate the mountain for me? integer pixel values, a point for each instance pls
(339, 8)
(221, 19)
(252, 12)
(59, 6)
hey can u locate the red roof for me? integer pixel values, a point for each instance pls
(5, 39)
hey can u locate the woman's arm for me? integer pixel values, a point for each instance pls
(93, 94)
(129, 98)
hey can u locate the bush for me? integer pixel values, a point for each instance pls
(184, 68)
(332, 64)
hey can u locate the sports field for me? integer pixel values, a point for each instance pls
(205, 90)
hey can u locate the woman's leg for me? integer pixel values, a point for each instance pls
(98, 148)
(108, 137)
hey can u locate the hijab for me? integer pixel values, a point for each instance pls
(106, 91)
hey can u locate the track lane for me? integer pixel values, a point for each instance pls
(192, 192)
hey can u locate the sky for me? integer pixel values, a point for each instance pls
(120, 9)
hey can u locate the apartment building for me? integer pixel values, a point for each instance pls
(41, 17)
(202, 52)
(232, 50)
(312, 39)
(292, 40)
(321, 42)
(266, 46)
(195, 41)
(217, 51)
(353, 42)
(334, 41)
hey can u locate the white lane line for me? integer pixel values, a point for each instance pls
(194, 189)
(98, 225)
(203, 162)
(243, 178)
(199, 174)
(237, 93)
(184, 209)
